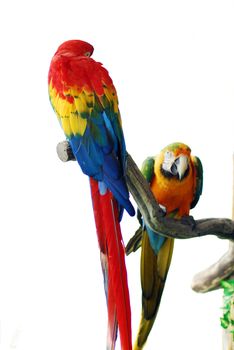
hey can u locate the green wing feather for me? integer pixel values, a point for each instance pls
(147, 169)
(135, 242)
(199, 180)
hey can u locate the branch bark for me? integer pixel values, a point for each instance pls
(210, 278)
(153, 215)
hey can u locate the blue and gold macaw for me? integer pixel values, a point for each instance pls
(176, 180)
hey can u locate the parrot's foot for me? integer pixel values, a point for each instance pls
(188, 220)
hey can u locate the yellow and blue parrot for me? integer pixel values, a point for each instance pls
(176, 180)
(85, 101)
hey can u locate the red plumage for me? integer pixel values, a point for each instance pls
(111, 245)
(67, 71)
(85, 101)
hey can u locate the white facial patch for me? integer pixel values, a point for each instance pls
(169, 159)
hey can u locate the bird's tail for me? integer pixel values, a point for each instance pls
(154, 269)
(113, 263)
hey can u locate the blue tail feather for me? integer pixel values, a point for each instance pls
(122, 197)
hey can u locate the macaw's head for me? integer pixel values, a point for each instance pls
(75, 48)
(175, 161)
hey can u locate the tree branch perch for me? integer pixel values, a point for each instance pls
(153, 214)
(204, 281)
(209, 279)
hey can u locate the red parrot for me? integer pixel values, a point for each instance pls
(85, 101)
(176, 179)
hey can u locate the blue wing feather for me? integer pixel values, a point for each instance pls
(101, 153)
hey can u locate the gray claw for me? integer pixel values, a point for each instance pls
(188, 220)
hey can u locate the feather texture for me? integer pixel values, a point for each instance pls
(85, 101)
(154, 269)
(110, 237)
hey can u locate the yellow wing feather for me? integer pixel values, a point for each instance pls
(71, 114)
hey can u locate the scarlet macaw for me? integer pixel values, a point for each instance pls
(176, 180)
(85, 101)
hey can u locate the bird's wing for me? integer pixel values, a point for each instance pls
(198, 180)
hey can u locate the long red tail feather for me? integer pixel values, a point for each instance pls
(111, 244)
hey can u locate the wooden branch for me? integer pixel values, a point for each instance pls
(210, 278)
(187, 227)
(153, 215)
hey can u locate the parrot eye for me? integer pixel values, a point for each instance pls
(87, 54)
(174, 169)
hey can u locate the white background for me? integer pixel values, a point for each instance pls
(172, 65)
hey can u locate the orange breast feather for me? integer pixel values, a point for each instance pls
(172, 193)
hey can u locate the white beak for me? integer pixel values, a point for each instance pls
(182, 165)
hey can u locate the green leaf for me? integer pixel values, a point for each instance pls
(224, 323)
(226, 316)
(224, 284)
(228, 301)
(228, 285)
